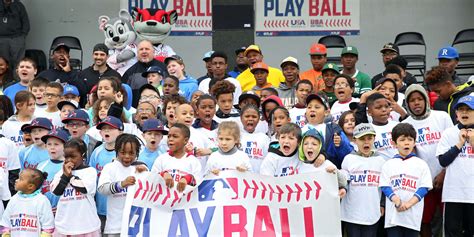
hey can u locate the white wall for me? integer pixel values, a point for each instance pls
(381, 21)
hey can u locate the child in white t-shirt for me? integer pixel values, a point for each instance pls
(279, 116)
(456, 153)
(115, 179)
(53, 94)
(362, 169)
(228, 157)
(405, 180)
(344, 88)
(254, 143)
(177, 165)
(29, 212)
(75, 185)
(25, 108)
(297, 113)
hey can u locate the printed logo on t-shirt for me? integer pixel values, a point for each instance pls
(71, 194)
(24, 222)
(176, 174)
(300, 120)
(467, 152)
(253, 151)
(18, 140)
(404, 182)
(385, 143)
(427, 137)
(290, 170)
(364, 178)
(45, 187)
(121, 193)
(31, 165)
(3, 162)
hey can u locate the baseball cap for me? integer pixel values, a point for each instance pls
(70, 89)
(72, 103)
(153, 69)
(390, 47)
(174, 57)
(61, 45)
(466, 100)
(207, 56)
(363, 129)
(448, 53)
(79, 115)
(249, 94)
(38, 123)
(259, 65)
(319, 97)
(331, 66)
(318, 49)
(289, 60)
(56, 133)
(239, 50)
(111, 121)
(150, 87)
(154, 124)
(350, 50)
(101, 47)
(252, 47)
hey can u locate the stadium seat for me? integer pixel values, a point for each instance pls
(333, 41)
(39, 57)
(74, 44)
(416, 62)
(466, 58)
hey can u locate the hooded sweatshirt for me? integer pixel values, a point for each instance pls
(429, 126)
(187, 87)
(287, 95)
(448, 105)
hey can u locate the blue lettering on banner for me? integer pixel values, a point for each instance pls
(136, 218)
(291, 6)
(202, 227)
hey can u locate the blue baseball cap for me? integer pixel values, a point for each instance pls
(154, 125)
(70, 89)
(207, 56)
(38, 123)
(59, 134)
(448, 53)
(466, 100)
(153, 69)
(79, 115)
(111, 121)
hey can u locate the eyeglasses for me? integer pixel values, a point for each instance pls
(341, 85)
(75, 124)
(48, 95)
(148, 97)
(145, 111)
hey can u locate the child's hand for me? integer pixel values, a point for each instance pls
(241, 168)
(438, 181)
(382, 211)
(462, 138)
(182, 185)
(168, 180)
(470, 136)
(203, 152)
(188, 148)
(118, 97)
(342, 193)
(319, 160)
(140, 168)
(396, 200)
(6, 234)
(403, 207)
(129, 181)
(337, 140)
(215, 171)
(331, 169)
(363, 97)
(67, 169)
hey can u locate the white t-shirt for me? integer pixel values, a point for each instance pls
(221, 161)
(54, 117)
(383, 140)
(277, 166)
(204, 87)
(115, 172)
(361, 205)
(310, 168)
(129, 128)
(428, 136)
(178, 167)
(338, 108)
(28, 216)
(76, 212)
(459, 180)
(297, 116)
(8, 154)
(11, 129)
(255, 145)
(405, 177)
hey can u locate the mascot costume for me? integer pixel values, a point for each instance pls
(120, 39)
(154, 25)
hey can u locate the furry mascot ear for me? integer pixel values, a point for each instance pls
(125, 15)
(173, 16)
(103, 21)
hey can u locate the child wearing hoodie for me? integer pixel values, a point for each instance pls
(429, 125)
(286, 90)
(187, 84)
(337, 145)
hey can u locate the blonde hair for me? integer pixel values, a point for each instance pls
(231, 127)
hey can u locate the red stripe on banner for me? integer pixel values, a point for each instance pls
(264, 189)
(290, 191)
(308, 190)
(284, 220)
(247, 186)
(308, 221)
(326, 22)
(298, 194)
(168, 195)
(188, 198)
(140, 186)
(271, 191)
(280, 192)
(147, 186)
(176, 197)
(350, 22)
(152, 193)
(160, 191)
(255, 188)
(318, 188)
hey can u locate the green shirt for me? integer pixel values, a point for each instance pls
(362, 84)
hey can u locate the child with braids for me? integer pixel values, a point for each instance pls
(29, 212)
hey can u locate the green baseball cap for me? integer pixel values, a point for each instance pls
(350, 50)
(331, 66)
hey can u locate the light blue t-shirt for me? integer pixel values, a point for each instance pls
(99, 158)
(11, 91)
(31, 156)
(51, 167)
(149, 157)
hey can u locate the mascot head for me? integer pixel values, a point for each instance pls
(118, 31)
(153, 24)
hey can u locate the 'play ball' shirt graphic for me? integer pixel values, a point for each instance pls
(404, 182)
(426, 137)
(364, 178)
(24, 222)
(253, 150)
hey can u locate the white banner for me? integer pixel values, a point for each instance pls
(307, 17)
(194, 16)
(235, 204)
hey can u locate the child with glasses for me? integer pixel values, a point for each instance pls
(343, 89)
(52, 95)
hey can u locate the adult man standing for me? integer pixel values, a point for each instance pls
(241, 62)
(219, 72)
(349, 58)
(208, 64)
(318, 54)
(91, 75)
(133, 76)
(14, 26)
(287, 89)
(247, 79)
(448, 58)
(62, 71)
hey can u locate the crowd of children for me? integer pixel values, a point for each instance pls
(403, 169)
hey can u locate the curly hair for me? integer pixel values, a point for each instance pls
(222, 87)
(437, 75)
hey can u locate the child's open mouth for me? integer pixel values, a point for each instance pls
(366, 147)
(153, 142)
(464, 117)
(286, 148)
(310, 153)
(144, 117)
(107, 136)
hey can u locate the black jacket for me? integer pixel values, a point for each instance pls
(448, 105)
(90, 77)
(16, 23)
(66, 77)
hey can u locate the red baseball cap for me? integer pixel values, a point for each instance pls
(318, 49)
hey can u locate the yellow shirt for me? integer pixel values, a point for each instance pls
(247, 80)
(315, 77)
